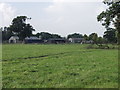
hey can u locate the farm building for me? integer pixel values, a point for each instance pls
(13, 39)
(33, 39)
(76, 40)
(57, 40)
(88, 42)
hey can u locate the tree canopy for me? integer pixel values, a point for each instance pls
(75, 35)
(46, 35)
(111, 16)
(6, 34)
(20, 27)
(110, 35)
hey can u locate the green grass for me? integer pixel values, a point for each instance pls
(64, 66)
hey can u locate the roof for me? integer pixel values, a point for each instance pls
(57, 39)
(33, 38)
(14, 37)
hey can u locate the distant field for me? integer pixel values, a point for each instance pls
(58, 66)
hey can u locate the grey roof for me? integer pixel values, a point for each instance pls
(32, 37)
(56, 39)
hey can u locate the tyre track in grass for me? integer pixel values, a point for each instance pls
(42, 56)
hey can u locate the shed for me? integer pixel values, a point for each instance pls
(76, 40)
(13, 39)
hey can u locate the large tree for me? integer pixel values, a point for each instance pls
(46, 35)
(75, 35)
(21, 28)
(94, 37)
(86, 37)
(6, 34)
(111, 16)
(110, 35)
(56, 36)
(99, 41)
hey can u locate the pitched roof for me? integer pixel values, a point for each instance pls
(14, 37)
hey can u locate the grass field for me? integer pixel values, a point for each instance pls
(58, 66)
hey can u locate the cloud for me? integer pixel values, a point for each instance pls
(7, 13)
(101, 8)
(53, 0)
(66, 17)
(57, 6)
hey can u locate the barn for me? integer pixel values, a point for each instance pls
(33, 39)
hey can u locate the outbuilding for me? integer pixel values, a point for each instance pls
(13, 39)
(57, 40)
(76, 40)
(33, 39)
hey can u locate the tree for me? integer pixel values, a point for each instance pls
(75, 35)
(20, 28)
(110, 35)
(101, 40)
(6, 34)
(98, 40)
(94, 37)
(111, 16)
(44, 35)
(56, 36)
(86, 37)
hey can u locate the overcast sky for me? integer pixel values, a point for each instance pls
(56, 16)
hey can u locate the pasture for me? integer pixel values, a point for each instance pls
(58, 66)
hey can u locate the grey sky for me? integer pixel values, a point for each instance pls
(56, 16)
